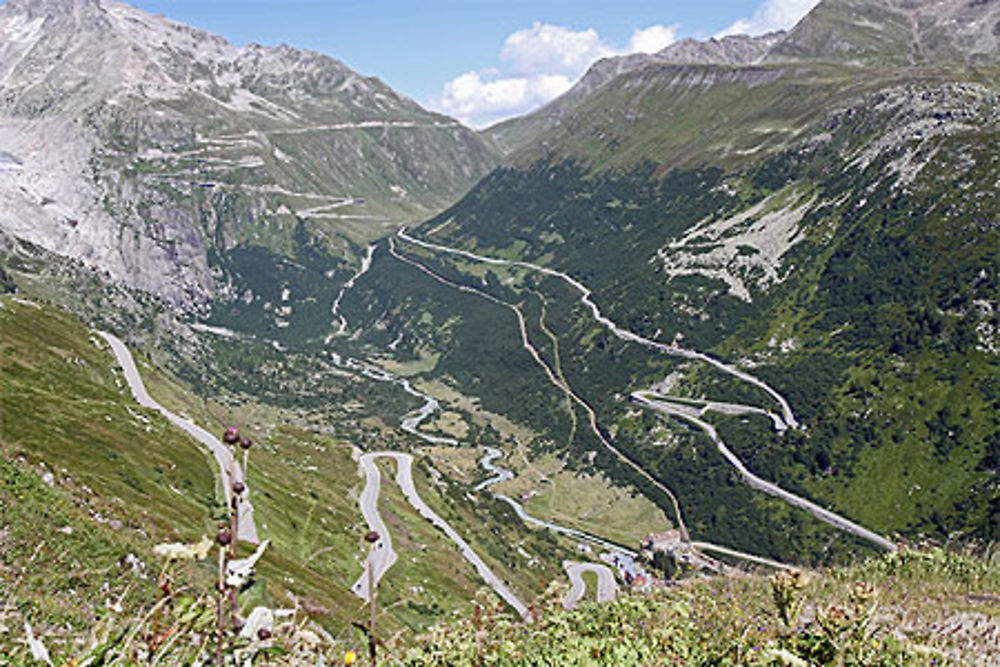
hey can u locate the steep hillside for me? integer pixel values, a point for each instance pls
(150, 150)
(518, 133)
(90, 482)
(896, 32)
(828, 228)
(875, 612)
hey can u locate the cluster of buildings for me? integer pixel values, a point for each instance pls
(629, 570)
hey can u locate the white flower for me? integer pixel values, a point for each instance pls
(38, 650)
(260, 617)
(238, 571)
(176, 551)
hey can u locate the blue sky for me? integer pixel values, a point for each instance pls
(479, 60)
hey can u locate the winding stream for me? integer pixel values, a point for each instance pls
(366, 263)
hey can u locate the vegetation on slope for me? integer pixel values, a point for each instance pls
(91, 482)
(876, 318)
(914, 607)
(908, 608)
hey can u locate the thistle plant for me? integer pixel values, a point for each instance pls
(372, 539)
(237, 475)
(786, 591)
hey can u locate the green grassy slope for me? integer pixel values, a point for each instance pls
(876, 319)
(125, 480)
(87, 477)
(914, 608)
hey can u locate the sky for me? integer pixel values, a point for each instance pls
(478, 60)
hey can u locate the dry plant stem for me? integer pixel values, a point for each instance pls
(163, 650)
(371, 604)
(145, 619)
(246, 465)
(162, 593)
(234, 504)
(234, 522)
(219, 625)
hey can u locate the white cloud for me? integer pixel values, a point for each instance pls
(537, 65)
(771, 15)
(552, 49)
(652, 39)
(480, 102)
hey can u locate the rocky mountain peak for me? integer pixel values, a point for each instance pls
(115, 119)
(896, 32)
(33, 9)
(729, 50)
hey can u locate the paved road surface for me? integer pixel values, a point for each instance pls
(556, 381)
(228, 472)
(647, 400)
(607, 587)
(691, 413)
(384, 555)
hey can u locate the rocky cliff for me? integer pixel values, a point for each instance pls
(148, 149)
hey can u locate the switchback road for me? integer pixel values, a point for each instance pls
(229, 470)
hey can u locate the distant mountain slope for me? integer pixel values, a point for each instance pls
(517, 133)
(829, 222)
(149, 149)
(896, 32)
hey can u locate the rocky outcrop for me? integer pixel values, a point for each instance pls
(148, 149)
(896, 32)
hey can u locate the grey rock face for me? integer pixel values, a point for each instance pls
(730, 50)
(896, 32)
(142, 146)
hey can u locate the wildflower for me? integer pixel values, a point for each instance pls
(239, 571)
(38, 650)
(350, 658)
(862, 592)
(173, 551)
(231, 436)
(258, 624)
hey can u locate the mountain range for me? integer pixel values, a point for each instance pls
(819, 206)
(147, 149)
(733, 266)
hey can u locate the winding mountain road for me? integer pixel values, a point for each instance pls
(647, 400)
(554, 380)
(383, 555)
(624, 334)
(607, 587)
(689, 412)
(229, 470)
